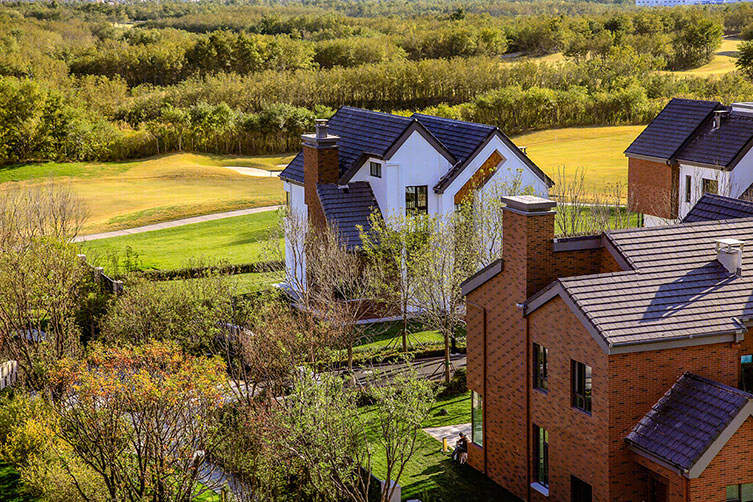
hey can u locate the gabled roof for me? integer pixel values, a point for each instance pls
(677, 292)
(722, 147)
(691, 423)
(360, 131)
(716, 207)
(364, 134)
(672, 128)
(348, 207)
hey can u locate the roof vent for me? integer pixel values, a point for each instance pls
(719, 116)
(743, 107)
(729, 252)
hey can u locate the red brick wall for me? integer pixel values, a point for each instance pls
(636, 382)
(677, 485)
(577, 443)
(732, 465)
(653, 188)
(320, 165)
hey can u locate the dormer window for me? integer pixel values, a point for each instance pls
(710, 186)
(375, 168)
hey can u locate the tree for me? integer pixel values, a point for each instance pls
(40, 294)
(744, 63)
(144, 419)
(392, 245)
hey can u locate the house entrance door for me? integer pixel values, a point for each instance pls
(657, 490)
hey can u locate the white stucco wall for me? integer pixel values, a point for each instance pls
(726, 185)
(299, 208)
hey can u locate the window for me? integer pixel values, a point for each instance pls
(477, 419)
(581, 377)
(540, 456)
(580, 491)
(376, 169)
(540, 371)
(416, 200)
(710, 186)
(688, 181)
(746, 372)
(287, 199)
(740, 493)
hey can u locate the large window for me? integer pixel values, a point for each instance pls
(581, 378)
(477, 419)
(580, 491)
(375, 168)
(710, 186)
(417, 200)
(540, 370)
(540, 456)
(740, 493)
(688, 186)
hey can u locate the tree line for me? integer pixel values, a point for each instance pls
(111, 82)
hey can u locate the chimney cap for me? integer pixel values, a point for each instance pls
(729, 243)
(529, 203)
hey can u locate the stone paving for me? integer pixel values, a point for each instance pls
(450, 432)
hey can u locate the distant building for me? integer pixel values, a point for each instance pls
(673, 3)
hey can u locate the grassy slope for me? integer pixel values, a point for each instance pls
(128, 194)
(723, 61)
(235, 240)
(10, 487)
(431, 475)
(596, 149)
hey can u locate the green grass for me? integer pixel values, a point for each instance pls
(236, 240)
(389, 334)
(431, 475)
(10, 486)
(128, 194)
(596, 149)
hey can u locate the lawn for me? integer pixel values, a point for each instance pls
(599, 150)
(384, 335)
(236, 240)
(431, 475)
(723, 61)
(128, 194)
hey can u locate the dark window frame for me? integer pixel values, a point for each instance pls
(477, 408)
(375, 169)
(580, 491)
(707, 184)
(413, 196)
(581, 376)
(540, 367)
(688, 187)
(540, 456)
(739, 495)
(746, 372)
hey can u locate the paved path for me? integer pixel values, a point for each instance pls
(254, 171)
(175, 223)
(449, 432)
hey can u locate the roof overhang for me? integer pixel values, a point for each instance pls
(480, 277)
(646, 157)
(442, 186)
(711, 452)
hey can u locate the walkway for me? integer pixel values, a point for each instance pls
(254, 171)
(449, 432)
(175, 223)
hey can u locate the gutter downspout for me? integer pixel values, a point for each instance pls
(521, 306)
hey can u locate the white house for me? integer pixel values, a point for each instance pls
(690, 149)
(360, 161)
(673, 3)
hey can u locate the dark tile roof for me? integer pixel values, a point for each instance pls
(459, 137)
(348, 208)
(674, 125)
(363, 132)
(677, 287)
(360, 131)
(720, 147)
(687, 420)
(716, 207)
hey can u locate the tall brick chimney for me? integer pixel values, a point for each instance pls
(321, 164)
(528, 233)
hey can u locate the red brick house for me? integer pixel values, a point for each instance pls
(609, 367)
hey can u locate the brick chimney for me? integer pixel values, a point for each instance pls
(321, 164)
(528, 234)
